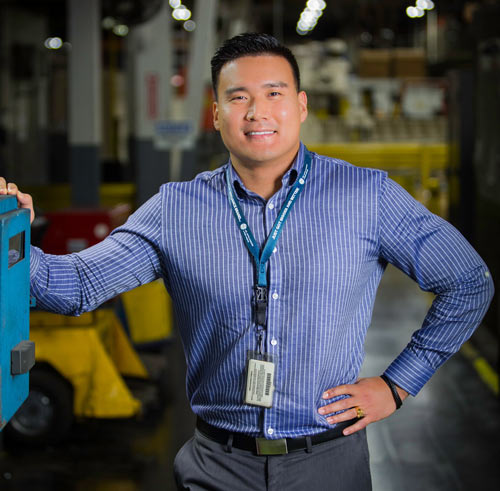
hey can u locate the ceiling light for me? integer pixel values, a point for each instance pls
(411, 12)
(310, 15)
(120, 30)
(189, 25)
(181, 13)
(53, 43)
(108, 22)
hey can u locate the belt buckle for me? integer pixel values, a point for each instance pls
(271, 447)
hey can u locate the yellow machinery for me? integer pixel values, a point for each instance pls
(92, 352)
(81, 362)
(148, 313)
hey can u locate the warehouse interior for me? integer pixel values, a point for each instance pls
(102, 101)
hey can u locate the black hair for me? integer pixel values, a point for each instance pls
(251, 44)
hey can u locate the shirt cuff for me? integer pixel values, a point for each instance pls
(409, 372)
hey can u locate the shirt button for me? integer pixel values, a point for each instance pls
(271, 206)
(270, 431)
(274, 342)
(275, 296)
(275, 249)
(487, 274)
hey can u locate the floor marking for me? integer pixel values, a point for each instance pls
(482, 367)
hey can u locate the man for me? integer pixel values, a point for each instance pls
(273, 262)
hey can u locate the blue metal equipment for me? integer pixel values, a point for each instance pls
(17, 353)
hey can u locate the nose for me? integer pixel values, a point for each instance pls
(257, 109)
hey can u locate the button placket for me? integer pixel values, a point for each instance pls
(271, 212)
(275, 281)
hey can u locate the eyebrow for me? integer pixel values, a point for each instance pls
(275, 84)
(232, 90)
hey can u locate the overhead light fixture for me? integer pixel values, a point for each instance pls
(189, 25)
(419, 9)
(120, 30)
(425, 4)
(53, 43)
(316, 4)
(108, 22)
(181, 13)
(309, 16)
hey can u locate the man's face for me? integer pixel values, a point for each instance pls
(258, 110)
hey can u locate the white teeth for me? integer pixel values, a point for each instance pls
(260, 132)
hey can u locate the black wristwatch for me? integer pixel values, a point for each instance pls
(394, 390)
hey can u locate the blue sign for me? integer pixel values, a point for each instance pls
(172, 128)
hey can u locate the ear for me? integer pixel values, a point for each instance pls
(215, 114)
(302, 97)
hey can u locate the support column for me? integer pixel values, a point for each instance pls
(84, 88)
(198, 74)
(150, 55)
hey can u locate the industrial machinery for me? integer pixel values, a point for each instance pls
(17, 353)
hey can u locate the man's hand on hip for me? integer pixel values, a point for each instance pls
(370, 400)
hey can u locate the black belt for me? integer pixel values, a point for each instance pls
(262, 446)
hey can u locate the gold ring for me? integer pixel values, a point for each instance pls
(359, 412)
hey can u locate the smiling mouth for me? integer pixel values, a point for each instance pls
(260, 133)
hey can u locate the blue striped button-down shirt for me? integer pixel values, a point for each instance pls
(344, 228)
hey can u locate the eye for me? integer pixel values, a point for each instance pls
(274, 93)
(237, 98)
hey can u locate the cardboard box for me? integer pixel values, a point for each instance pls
(409, 62)
(389, 63)
(374, 63)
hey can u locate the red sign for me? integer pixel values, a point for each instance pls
(152, 95)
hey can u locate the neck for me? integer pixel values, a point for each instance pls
(265, 180)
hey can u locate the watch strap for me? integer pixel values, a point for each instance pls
(394, 390)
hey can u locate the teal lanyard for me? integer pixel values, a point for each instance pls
(261, 258)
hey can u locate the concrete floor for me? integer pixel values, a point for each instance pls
(447, 438)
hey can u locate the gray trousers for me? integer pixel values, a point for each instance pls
(338, 465)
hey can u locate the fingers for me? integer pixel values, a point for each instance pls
(12, 189)
(342, 404)
(350, 413)
(348, 406)
(9, 188)
(3, 186)
(337, 406)
(369, 394)
(359, 425)
(345, 416)
(340, 390)
(24, 200)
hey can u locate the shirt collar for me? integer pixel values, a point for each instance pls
(288, 178)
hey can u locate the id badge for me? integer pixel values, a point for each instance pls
(260, 382)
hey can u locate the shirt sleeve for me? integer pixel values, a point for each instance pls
(440, 260)
(75, 283)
